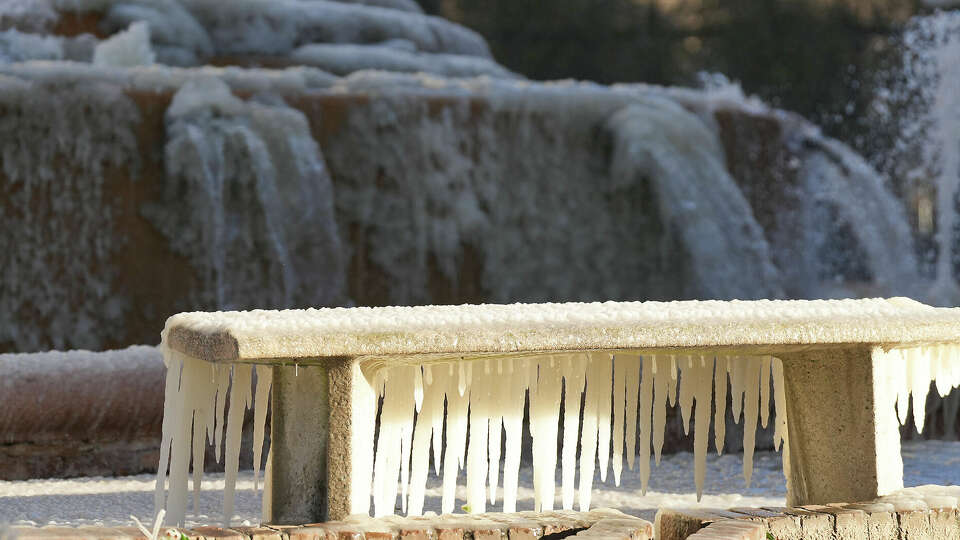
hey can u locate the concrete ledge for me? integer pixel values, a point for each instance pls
(600, 523)
(80, 413)
(66, 414)
(919, 512)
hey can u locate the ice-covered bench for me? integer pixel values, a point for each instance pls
(841, 370)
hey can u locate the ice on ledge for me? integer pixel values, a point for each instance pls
(343, 59)
(758, 325)
(190, 30)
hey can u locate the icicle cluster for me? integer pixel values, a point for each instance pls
(195, 415)
(469, 415)
(622, 400)
(910, 372)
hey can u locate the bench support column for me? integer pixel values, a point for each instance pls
(320, 413)
(353, 416)
(843, 432)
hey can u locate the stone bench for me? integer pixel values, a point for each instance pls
(844, 365)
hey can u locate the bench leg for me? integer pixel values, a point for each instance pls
(296, 477)
(353, 415)
(319, 413)
(843, 432)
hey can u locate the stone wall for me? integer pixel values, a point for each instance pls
(92, 268)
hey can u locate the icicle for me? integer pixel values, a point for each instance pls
(688, 386)
(661, 387)
(940, 371)
(427, 375)
(530, 373)
(918, 361)
(381, 465)
(672, 381)
(464, 381)
(239, 401)
(588, 436)
(442, 388)
(260, 404)
(513, 427)
(779, 404)
(418, 389)
(407, 410)
(223, 385)
(533, 424)
(495, 434)
(477, 449)
(457, 404)
(396, 423)
(603, 414)
(720, 416)
(899, 378)
(420, 465)
(545, 416)
(632, 387)
(362, 441)
(619, 408)
(180, 451)
(751, 402)
(646, 409)
(201, 419)
(701, 434)
(738, 374)
(173, 406)
(764, 391)
(573, 373)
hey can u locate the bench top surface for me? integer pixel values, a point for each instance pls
(744, 327)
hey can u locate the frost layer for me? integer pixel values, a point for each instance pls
(192, 32)
(86, 128)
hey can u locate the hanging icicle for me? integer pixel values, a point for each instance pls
(612, 404)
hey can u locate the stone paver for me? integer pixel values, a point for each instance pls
(926, 512)
(781, 525)
(731, 530)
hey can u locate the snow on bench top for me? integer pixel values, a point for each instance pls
(744, 327)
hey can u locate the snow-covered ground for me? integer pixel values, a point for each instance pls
(111, 501)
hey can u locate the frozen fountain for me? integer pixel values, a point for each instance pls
(924, 103)
(142, 184)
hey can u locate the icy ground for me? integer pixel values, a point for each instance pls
(110, 501)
